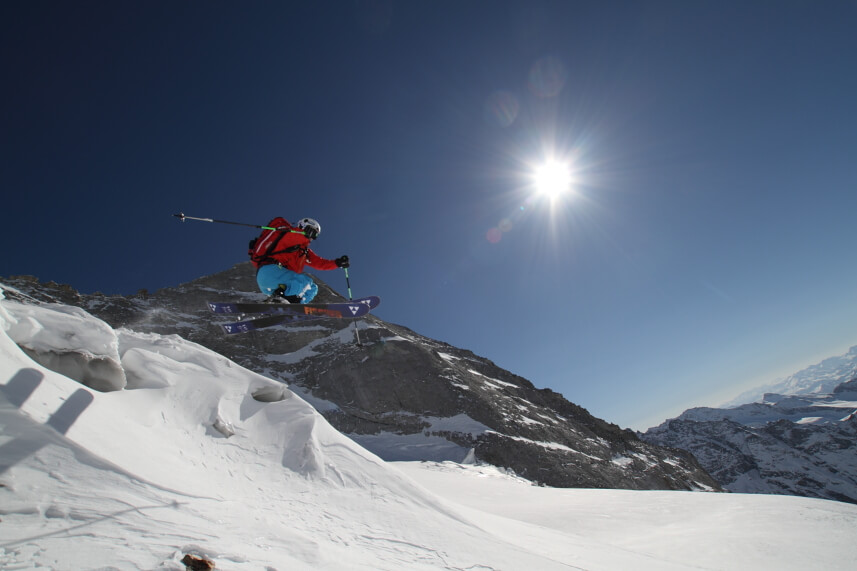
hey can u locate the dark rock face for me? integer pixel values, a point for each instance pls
(402, 395)
(797, 445)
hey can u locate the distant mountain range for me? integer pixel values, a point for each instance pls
(817, 379)
(803, 443)
(401, 395)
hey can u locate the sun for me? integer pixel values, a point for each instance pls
(552, 179)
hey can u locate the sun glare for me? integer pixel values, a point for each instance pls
(552, 179)
(547, 187)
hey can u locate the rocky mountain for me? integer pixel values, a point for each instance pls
(803, 445)
(401, 395)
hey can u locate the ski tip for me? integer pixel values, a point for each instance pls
(373, 301)
(239, 327)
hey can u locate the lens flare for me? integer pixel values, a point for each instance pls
(501, 108)
(547, 77)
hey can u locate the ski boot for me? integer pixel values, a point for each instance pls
(279, 296)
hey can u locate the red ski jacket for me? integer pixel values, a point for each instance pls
(289, 248)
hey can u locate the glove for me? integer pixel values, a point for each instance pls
(342, 262)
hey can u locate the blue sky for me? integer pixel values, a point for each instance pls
(707, 243)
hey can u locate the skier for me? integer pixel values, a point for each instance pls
(280, 256)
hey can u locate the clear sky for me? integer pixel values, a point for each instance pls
(705, 244)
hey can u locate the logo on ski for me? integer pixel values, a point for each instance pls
(309, 310)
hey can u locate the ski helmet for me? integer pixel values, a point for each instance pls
(310, 227)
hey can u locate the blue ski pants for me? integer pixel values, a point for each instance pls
(272, 276)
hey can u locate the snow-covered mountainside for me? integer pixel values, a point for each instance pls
(186, 459)
(403, 396)
(803, 445)
(818, 379)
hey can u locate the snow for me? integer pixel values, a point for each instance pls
(423, 445)
(199, 455)
(621, 529)
(64, 339)
(622, 461)
(809, 420)
(56, 327)
(837, 404)
(343, 335)
(492, 382)
(546, 445)
(458, 423)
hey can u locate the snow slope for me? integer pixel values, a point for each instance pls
(625, 529)
(198, 455)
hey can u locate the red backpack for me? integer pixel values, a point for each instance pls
(261, 248)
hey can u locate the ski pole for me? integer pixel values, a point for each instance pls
(181, 216)
(350, 298)
(348, 283)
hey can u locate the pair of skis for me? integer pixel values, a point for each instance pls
(271, 314)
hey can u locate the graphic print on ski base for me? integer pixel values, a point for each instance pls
(352, 308)
(267, 320)
(289, 313)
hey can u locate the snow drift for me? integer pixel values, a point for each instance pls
(67, 340)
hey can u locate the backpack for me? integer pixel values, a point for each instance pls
(261, 248)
